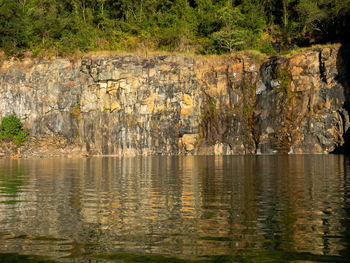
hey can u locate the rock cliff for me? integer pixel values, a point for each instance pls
(131, 105)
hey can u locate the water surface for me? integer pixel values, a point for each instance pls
(153, 209)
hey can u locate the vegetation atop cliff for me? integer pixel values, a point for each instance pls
(61, 27)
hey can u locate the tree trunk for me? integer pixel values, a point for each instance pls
(285, 14)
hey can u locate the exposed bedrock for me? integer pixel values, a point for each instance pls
(130, 104)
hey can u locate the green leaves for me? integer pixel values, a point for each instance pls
(323, 16)
(62, 27)
(12, 129)
(12, 28)
(230, 39)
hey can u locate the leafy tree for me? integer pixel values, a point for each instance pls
(60, 27)
(12, 129)
(324, 17)
(231, 35)
(12, 28)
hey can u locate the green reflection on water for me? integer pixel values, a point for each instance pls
(246, 256)
(11, 181)
(128, 258)
(15, 258)
(11, 202)
(48, 239)
(276, 256)
(251, 256)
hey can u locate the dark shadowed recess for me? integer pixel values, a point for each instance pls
(343, 68)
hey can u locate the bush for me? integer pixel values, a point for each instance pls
(12, 129)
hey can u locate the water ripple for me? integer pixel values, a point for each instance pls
(185, 207)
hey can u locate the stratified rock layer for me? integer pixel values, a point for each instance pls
(131, 105)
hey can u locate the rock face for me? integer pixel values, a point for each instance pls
(300, 103)
(132, 105)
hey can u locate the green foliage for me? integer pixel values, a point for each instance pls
(76, 112)
(327, 17)
(12, 129)
(264, 45)
(212, 105)
(62, 27)
(284, 80)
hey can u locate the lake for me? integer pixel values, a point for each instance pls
(277, 208)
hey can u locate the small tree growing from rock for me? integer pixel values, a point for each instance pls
(12, 129)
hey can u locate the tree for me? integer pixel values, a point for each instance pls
(326, 17)
(12, 29)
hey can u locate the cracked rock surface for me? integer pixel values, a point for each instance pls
(127, 104)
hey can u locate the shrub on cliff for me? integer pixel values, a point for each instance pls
(12, 129)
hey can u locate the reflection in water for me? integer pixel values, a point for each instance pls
(185, 207)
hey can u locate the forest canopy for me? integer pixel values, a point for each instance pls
(63, 27)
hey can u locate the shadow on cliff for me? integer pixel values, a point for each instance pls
(343, 68)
